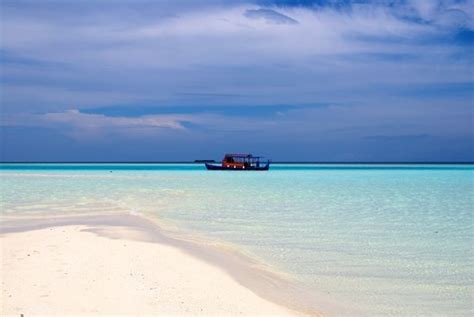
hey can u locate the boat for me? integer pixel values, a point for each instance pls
(240, 162)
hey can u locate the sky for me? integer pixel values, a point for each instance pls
(332, 81)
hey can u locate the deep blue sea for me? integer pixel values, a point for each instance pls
(381, 240)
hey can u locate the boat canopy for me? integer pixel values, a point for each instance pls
(242, 155)
(241, 158)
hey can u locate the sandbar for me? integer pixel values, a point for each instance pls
(124, 264)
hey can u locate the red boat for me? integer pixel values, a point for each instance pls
(240, 162)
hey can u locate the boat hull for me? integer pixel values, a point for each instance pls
(212, 167)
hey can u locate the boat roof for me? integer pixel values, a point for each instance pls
(246, 155)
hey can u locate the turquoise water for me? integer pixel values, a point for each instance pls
(381, 240)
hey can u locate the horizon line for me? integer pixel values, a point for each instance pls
(273, 162)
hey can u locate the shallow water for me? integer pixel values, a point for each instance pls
(391, 240)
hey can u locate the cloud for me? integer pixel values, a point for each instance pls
(385, 67)
(397, 138)
(127, 55)
(84, 126)
(442, 13)
(270, 16)
(230, 37)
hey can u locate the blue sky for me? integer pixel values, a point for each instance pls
(316, 80)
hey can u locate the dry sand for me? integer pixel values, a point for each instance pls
(121, 265)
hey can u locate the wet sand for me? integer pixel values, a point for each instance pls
(125, 264)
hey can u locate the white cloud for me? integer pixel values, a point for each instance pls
(270, 16)
(83, 126)
(444, 13)
(219, 36)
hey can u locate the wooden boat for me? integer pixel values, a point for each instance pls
(240, 162)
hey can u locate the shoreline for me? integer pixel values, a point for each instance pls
(266, 285)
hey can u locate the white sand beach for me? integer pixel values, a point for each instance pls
(79, 268)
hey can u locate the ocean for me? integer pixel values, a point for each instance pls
(380, 240)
